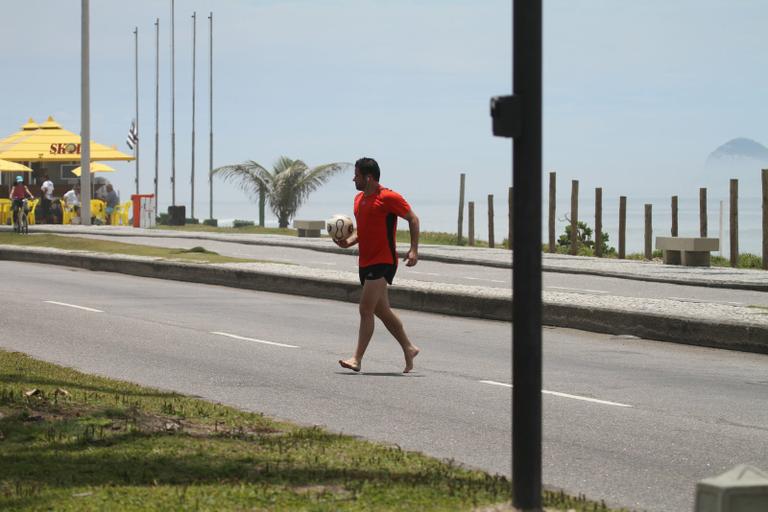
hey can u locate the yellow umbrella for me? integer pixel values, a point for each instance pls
(95, 167)
(8, 166)
(52, 143)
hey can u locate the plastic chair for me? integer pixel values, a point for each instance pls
(31, 215)
(122, 213)
(98, 210)
(68, 213)
(5, 210)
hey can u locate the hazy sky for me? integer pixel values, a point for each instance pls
(637, 94)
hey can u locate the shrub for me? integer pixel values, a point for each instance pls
(211, 222)
(238, 223)
(585, 242)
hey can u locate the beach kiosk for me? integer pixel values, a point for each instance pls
(47, 148)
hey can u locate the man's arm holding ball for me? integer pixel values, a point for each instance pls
(347, 242)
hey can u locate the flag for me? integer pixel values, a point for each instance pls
(133, 136)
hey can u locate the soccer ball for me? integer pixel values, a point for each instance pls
(339, 227)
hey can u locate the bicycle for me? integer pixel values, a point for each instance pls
(20, 218)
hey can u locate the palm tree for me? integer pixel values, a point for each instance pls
(286, 187)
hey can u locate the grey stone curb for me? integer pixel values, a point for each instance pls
(728, 335)
(425, 254)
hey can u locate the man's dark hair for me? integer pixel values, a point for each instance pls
(368, 167)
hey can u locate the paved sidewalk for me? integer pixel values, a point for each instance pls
(720, 277)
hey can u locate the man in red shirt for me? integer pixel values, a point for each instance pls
(376, 212)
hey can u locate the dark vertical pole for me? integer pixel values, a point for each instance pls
(511, 217)
(703, 212)
(552, 208)
(491, 234)
(599, 222)
(765, 219)
(734, 209)
(648, 231)
(461, 206)
(471, 222)
(210, 118)
(622, 226)
(526, 272)
(574, 216)
(674, 215)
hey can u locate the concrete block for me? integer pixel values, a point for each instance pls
(309, 228)
(742, 489)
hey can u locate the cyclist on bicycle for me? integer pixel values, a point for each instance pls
(19, 192)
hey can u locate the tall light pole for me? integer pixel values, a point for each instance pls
(173, 109)
(136, 61)
(157, 106)
(519, 117)
(192, 172)
(210, 117)
(85, 116)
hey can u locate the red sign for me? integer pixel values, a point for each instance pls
(65, 149)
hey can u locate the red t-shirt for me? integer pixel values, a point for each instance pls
(376, 216)
(18, 192)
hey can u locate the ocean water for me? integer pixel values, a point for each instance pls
(441, 214)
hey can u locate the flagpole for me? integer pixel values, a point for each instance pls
(136, 52)
(210, 119)
(192, 176)
(85, 116)
(157, 104)
(173, 110)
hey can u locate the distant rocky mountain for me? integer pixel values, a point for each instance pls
(739, 149)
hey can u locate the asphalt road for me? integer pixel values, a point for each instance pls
(466, 274)
(631, 421)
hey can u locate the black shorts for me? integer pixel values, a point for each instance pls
(385, 270)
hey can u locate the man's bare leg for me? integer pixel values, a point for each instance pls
(395, 327)
(373, 291)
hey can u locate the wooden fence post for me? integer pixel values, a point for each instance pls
(574, 216)
(491, 237)
(511, 218)
(552, 207)
(703, 212)
(599, 222)
(765, 219)
(471, 228)
(674, 215)
(734, 222)
(461, 206)
(648, 232)
(622, 226)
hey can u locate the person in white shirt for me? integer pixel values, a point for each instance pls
(46, 197)
(72, 199)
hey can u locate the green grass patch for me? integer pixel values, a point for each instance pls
(745, 260)
(71, 243)
(71, 441)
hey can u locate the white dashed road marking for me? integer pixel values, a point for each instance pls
(423, 273)
(481, 279)
(699, 301)
(73, 306)
(563, 395)
(243, 338)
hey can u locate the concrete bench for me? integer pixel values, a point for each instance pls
(309, 228)
(691, 252)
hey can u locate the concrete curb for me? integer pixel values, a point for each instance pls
(426, 255)
(727, 335)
